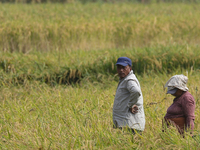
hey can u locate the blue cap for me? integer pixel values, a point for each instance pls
(173, 91)
(124, 61)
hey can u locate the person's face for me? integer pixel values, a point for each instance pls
(123, 71)
(174, 94)
(178, 93)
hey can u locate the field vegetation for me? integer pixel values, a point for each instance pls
(67, 27)
(58, 75)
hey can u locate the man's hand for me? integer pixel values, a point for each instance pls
(134, 109)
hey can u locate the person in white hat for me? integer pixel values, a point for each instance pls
(181, 112)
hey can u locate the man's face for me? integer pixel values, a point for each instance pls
(123, 71)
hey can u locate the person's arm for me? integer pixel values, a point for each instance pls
(188, 105)
(135, 93)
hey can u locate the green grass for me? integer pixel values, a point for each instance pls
(36, 115)
(71, 67)
(58, 75)
(96, 26)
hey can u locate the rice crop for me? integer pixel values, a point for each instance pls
(96, 26)
(37, 116)
(58, 75)
(69, 68)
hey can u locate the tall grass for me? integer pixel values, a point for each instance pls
(71, 67)
(37, 116)
(67, 27)
(66, 44)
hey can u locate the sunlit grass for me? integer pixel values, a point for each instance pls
(57, 43)
(71, 67)
(36, 115)
(96, 26)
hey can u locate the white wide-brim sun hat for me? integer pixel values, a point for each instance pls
(176, 82)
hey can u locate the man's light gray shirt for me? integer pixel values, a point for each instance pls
(128, 94)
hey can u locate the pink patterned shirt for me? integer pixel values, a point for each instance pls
(183, 106)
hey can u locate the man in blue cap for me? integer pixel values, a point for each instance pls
(128, 111)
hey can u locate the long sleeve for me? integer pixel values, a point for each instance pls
(135, 92)
(188, 106)
(127, 94)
